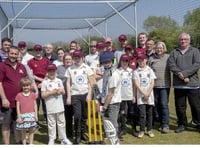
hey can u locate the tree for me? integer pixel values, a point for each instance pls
(192, 26)
(164, 29)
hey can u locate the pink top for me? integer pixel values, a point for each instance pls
(26, 102)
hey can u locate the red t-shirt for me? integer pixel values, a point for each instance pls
(26, 102)
(10, 78)
(140, 50)
(39, 67)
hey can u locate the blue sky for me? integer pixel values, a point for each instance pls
(176, 9)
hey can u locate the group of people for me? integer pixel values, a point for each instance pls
(134, 85)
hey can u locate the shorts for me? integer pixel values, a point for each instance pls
(28, 121)
(8, 115)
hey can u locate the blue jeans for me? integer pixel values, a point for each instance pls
(162, 97)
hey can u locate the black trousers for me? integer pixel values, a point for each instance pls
(80, 113)
(145, 116)
(181, 96)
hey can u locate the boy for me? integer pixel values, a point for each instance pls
(143, 78)
(78, 92)
(52, 91)
(111, 93)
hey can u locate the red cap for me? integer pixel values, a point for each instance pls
(100, 44)
(142, 56)
(37, 47)
(21, 44)
(128, 47)
(78, 53)
(122, 37)
(51, 67)
(108, 39)
(124, 57)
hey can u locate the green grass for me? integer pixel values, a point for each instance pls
(190, 136)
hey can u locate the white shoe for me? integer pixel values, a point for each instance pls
(51, 142)
(66, 142)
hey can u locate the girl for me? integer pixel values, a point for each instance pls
(26, 110)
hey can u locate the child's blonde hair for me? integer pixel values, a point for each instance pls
(23, 82)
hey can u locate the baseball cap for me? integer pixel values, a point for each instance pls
(122, 37)
(108, 39)
(21, 44)
(51, 67)
(93, 43)
(142, 56)
(37, 47)
(100, 44)
(78, 53)
(128, 47)
(124, 57)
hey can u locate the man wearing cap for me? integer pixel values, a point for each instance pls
(5, 44)
(123, 42)
(109, 44)
(23, 51)
(11, 73)
(38, 65)
(93, 55)
(78, 92)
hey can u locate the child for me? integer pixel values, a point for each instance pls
(143, 78)
(52, 90)
(78, 92)
(26, 110)
(126, 106)
(111, 92)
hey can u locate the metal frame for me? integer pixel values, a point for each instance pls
(97, 20)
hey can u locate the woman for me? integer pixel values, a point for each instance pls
(158, 63)
(60, 53)
(67, 62)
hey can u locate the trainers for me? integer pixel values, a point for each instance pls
(150, 134)
(141, 134)
(51, 142)
(180, 129)
(165, 130)
(66, 142)
(160, 129)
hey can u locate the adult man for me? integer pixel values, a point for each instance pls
(142, 38)
(48, 52)
(150, 48)
(73, 46)
(23, 51)
(38, 65)
(184, 62)
(121, 50)
(93, 55)
(11, 73)
(5, 44)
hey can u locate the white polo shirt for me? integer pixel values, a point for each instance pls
(126, 83)
(26, 58)
(112, 81)
(79, 78)
(54, 103)
(144, 77)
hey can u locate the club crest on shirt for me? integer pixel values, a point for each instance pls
(79, 79)
(125, 83)
(21, 71)
(143, 82)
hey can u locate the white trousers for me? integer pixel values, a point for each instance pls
(56, 119)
